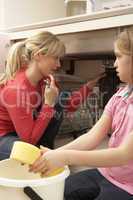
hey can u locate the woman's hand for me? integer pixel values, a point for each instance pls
(92, 83)
(51, 92)
(48, 162)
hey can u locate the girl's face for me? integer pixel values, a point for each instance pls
(48, 64)
(123, 65)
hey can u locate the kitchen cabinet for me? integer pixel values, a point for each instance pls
(102, 20)
(89, 33)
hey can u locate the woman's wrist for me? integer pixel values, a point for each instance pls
(89, 86)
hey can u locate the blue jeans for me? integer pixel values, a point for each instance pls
(91, 185)
(6, 143)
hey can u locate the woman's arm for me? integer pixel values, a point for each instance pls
(21, 115)
(78, 97)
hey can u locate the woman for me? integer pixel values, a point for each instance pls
(28, 108)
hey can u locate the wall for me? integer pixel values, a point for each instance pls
(1, 14)
(4, 47)
(18, 13)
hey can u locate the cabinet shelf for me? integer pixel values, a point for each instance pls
(80, 23)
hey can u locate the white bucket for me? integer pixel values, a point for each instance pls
(14, 177)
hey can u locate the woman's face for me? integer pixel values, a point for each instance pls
(123, 65)
(48, 64)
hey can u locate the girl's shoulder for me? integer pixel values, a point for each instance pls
(116, 97)
(121, 91)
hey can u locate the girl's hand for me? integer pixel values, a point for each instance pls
(44, 149)
(51, 92)
(48, 162)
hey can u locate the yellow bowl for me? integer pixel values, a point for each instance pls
(24, 152)
(27, 153)
(55, 172)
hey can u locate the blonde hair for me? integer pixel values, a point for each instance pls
(124, 43)
(43, 42)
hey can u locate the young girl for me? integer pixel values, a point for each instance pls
(28, 109)
(113, 176)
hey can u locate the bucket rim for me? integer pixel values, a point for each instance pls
(35, 182)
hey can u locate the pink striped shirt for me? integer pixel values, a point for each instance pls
(120, 109)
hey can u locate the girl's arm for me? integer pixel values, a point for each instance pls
(68, 154)
(93, 137)
(111, 157)
(118, 156)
